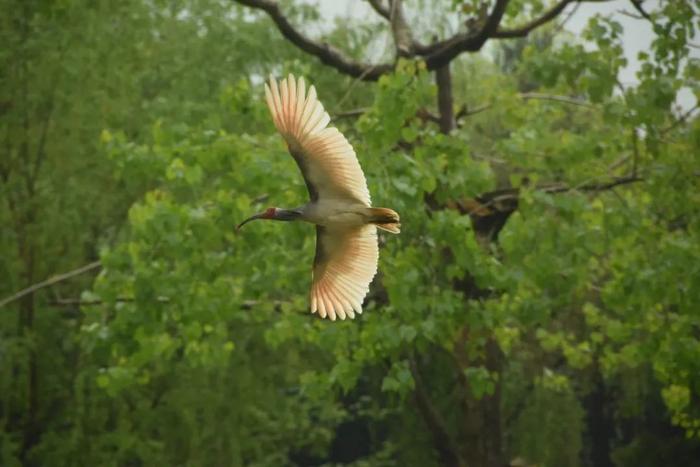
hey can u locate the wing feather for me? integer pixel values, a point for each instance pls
(345, 264)
(326, 159)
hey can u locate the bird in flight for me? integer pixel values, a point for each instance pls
(346, 225)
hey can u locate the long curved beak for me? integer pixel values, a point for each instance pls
(251, 218)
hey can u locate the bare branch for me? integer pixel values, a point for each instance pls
(681, 120)
(546, 17)
(49, 282)
(482, 205)
(378, 6)
(465, 112)
(525, 29)
(349, 113)
(630, 15)
(556, 98)
(328, 54)
(637, 4)
(403, 37)
(441, 53)
(593, 187)
(425, 114)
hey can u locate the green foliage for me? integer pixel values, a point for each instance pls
(549, 428)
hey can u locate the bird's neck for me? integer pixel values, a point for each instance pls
(287, 214)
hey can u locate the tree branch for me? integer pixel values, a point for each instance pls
(378, 6)
(489, 203)
(465, 112)
(443, 52)
(348, 113)
(525, 29)
(49, 282)
(682, 119)
(328, 54)
(637, 4)
(403, 37)
(554, 97)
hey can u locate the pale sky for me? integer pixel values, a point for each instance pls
(637, 34)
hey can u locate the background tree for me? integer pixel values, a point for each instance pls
(539, 306)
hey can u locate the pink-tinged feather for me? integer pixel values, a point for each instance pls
(333, 168)
(347, 265)
(347, 255)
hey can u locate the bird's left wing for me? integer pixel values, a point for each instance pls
(327, 160)
(345, 264)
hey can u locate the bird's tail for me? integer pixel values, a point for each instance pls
(385, 219)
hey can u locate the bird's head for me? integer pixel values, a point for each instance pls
(277, 214)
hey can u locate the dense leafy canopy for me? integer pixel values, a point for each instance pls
(135, 133)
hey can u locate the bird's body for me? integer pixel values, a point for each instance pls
(346, 225)
(335, 213)
(342, 213)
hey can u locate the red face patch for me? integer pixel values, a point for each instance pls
(269, 213)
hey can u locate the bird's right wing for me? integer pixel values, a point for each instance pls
(327, 160)
(345, 264)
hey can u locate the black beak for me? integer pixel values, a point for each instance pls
(251, 218)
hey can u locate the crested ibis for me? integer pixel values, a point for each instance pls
(346, 225)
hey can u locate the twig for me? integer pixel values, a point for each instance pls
(682, 119)
(482, 209)
(441, 53)
(49, 282)
(630, 15)
(525, 29)
(570, 15)
(379, 7)
(349, 113)
(637, 4)
(465, 112)
(554, 97)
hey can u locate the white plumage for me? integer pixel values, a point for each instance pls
(346, 225)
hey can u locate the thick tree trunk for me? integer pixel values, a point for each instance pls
(443, 79)
(600, 424)
(447, 449)
(481, 426)
(481, 445)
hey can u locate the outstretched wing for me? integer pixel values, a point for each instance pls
(327, 161)
(345, 264)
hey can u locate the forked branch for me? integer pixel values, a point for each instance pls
(328, 54)
(436, 55)
(525, 29)
(378, 6)
(441, 53)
